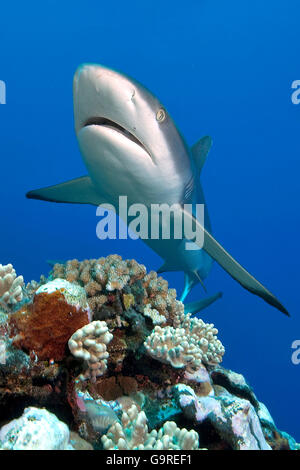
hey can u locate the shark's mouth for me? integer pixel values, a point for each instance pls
(104, 122)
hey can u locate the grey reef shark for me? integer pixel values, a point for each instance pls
(131, 147)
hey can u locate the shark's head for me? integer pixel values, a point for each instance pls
(121, 122)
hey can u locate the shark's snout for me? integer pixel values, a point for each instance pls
(111, 101)
(105, 94)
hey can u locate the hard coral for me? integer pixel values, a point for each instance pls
(96, 275)
(132, 434)
(195, 342)
(89, 343)
(113, 284)
(44, 326)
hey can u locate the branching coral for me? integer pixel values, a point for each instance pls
(195, 342)
(104, 278)
(170, 437)
(100, 275)
(96, 275)
(132, 434)
(157, 296)
(89, 343)
(10, 286)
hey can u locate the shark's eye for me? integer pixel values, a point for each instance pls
(161, 115)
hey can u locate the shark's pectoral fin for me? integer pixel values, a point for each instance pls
(76, 191)
(198, 305)
(200, 151)
(236, 271)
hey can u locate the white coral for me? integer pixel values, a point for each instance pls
(89, 343)
(10, 286)
(132, 434)
(170, 437)
(189, 345)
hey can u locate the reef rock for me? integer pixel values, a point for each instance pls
(233, 418)
(36, 429)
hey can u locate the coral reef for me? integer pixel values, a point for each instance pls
(111, 283)
(10, 286)
(106, 349)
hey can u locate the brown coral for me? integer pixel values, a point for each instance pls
(110, 273)
(45, 326)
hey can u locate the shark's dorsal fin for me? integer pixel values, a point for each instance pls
(76, 191)
(200, 151)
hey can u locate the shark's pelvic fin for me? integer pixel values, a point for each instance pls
(198, 305)
(232, 267)
(190, 280)
(76, 191)
(200, 151)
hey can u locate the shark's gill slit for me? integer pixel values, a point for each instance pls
(101, 121)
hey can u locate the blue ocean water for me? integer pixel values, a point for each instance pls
(221, 68)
